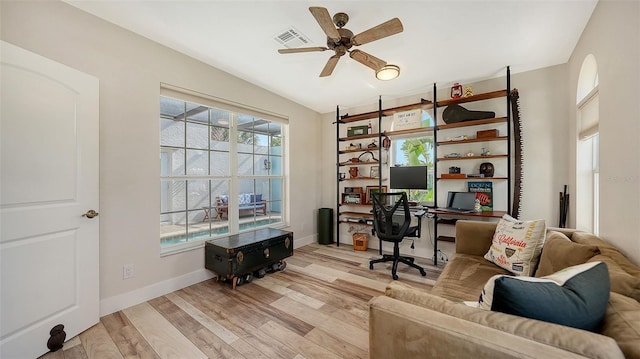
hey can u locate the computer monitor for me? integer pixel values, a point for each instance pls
(409, 177)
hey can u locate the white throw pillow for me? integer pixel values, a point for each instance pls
(516, 245)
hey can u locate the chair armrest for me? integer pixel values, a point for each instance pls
(474, 237)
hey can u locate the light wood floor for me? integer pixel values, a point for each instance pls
(316, 307)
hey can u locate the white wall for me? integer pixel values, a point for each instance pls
(130, 69)
(613, 37)
(543, 106)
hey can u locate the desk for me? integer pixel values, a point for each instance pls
(444, 213)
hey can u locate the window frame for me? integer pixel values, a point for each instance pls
(395, 148)
(232, 176)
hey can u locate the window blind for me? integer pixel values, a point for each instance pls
(589, 115)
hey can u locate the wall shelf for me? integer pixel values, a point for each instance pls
(478, 97)
(504, 166)
(486, 121)
(472, 140)
(409, 131)
(470, 157)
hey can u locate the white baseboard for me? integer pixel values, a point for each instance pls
(300, 242)
(125, 300)
(134, 297)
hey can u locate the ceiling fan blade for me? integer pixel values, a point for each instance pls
(331, 64)
(326, 23)
(391, 27)
(367, 59)
(302, 49)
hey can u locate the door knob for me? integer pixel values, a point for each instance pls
(90, 214)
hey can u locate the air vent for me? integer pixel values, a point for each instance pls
(291, 38)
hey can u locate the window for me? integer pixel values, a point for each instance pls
(221, 170)
(587, 161)
(415, 151)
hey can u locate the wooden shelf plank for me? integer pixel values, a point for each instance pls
(489, 214)
(411, 130)
(361, 178)
(369, 205)
(425, 104)
(469, 157)
(358, 223)
(359, 163)
(471, 140)
(478, 97)
(359, 150)
(359, 137)
(357, 214)
(473, 178)
(486, 121)
(359, 117)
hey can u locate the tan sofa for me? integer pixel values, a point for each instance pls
(411, 323)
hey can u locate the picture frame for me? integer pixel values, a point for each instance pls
(374, 189)
(374, 172)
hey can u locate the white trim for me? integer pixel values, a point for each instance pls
(125, 300)
(184, 94)
(588, 97)
(134, 297)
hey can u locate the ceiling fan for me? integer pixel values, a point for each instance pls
(340, 40)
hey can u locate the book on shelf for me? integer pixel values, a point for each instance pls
(484, 194)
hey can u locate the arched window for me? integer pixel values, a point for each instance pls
(587, 164)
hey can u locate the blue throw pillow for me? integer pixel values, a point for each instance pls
(576, 296)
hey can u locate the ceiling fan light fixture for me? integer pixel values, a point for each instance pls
(388, 72)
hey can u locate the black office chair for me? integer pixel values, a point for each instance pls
(392, 223)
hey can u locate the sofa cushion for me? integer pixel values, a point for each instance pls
(244, 198)
(621, 281)
(516, 245)
(582, 343)
(576, 296)
(622, 323)
(464, 277)
(559, 252)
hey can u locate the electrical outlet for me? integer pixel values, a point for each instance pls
(128, 271)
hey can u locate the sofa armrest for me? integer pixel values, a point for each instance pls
(444, 329)
(474, 237)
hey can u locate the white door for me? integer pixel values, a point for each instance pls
(49, 178)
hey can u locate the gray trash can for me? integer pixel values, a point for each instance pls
(325, 225)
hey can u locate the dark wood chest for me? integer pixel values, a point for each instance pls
(244, 253)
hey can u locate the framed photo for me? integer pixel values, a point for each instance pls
(374, 189)
(374, 172)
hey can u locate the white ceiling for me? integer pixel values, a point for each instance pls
(442, 42)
